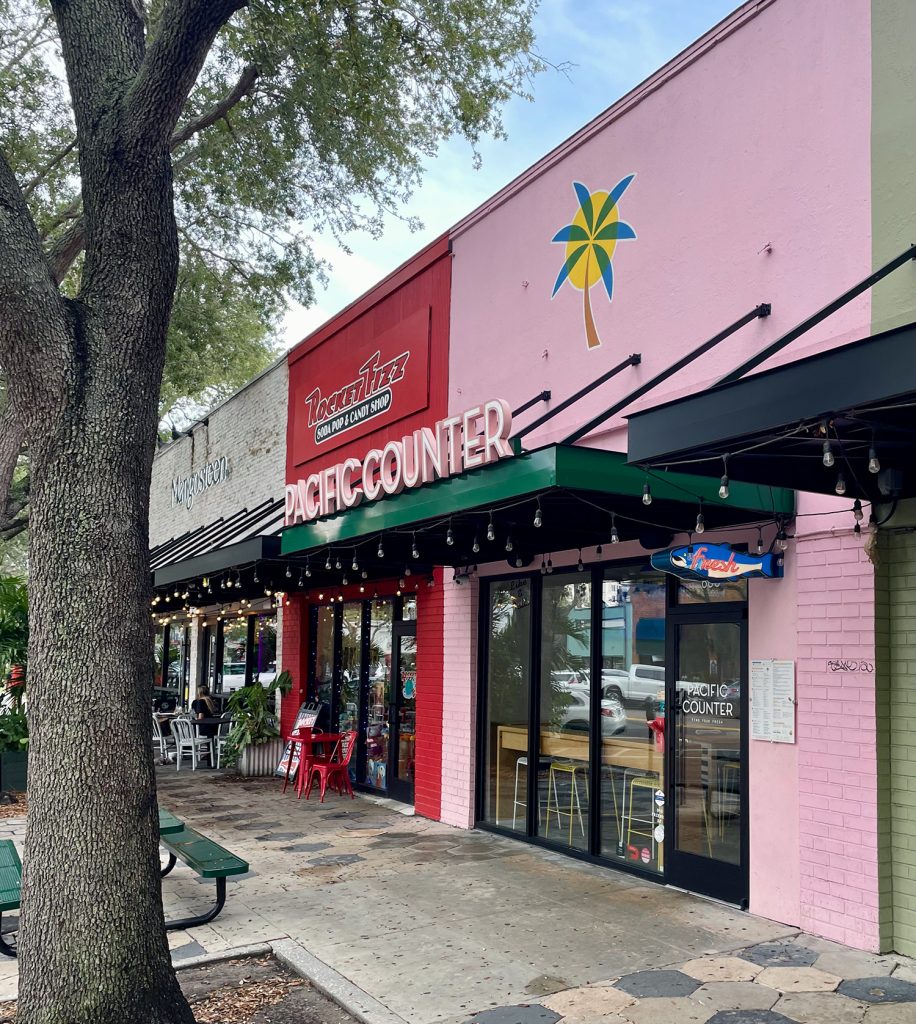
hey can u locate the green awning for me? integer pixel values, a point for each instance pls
(577, 487)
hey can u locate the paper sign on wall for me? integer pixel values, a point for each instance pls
(772, 700)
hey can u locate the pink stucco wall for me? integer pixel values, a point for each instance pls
(763, 139)
(837, 761)
(459, 701)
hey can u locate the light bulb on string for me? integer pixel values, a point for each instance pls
(337, 564)
(301, 579)
(646, 492)
(782, 541)
(355, 565)
(723, 483)
(308, 569)
(874, 464)
(538, 516)
(840, 487)
(402, 583)
(475, 547)
(615, 536)
(580, 567)
(408, 571)
(549, 564)
(827, 457)
(450, 535)
(491, 530)
(222, 583)
(543, 566)
(364, 574)
(255, 577)
(414, 550)
(289, 573)
(701, 521)
(759, 540)
(509, 543)
(345, 580)
(381, 549)
(857, 511)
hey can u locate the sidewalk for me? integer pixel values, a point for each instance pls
(442, 925)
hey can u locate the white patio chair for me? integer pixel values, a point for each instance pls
(220, 740)
(162, 741)
(188, 743)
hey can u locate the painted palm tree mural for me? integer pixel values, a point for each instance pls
(590, 241)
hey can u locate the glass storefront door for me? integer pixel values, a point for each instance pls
(708, 813)
(363, 671)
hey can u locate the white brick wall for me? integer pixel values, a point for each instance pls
(250, 429)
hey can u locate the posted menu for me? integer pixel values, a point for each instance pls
(772, 700)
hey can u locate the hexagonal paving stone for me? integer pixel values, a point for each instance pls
(735, 995)
(798, 979)
(880, 990)
(669, 1010)
(779, 954)
(721, 968)
(816, 1007)
(890, 1013)
(851, 963)
(655, 984)
(752, 1017)
(592, 1005)
(523, 1014)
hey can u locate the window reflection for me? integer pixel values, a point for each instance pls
(506, 728)
(379, 694)
(633, 686)
(323, 669)
(565, 707)
(351, 658)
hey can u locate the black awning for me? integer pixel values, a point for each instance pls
(772, 427)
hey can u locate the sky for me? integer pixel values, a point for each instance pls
(606, 47)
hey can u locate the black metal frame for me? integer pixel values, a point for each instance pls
(674, 615)
(398, 788)
(632, 360)
(197, 921)
(730, 883)
(762, 310)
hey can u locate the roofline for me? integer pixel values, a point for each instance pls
(398, 277)
(731, 23)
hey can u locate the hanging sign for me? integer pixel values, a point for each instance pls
(718, 562)
(454, 445)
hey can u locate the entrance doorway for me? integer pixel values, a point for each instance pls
(707, 823)
(363, 673)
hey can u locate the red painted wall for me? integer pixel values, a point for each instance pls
(424, 283)
(428, 756)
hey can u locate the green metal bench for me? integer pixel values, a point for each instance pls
(10, 884)
(209, 860)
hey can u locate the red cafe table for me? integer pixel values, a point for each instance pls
(307, 742)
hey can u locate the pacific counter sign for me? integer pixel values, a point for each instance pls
(716, 563)
(591, 241)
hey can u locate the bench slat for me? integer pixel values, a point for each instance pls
(207, 858)
(10, 875)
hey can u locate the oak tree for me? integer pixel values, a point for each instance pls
(151, 154)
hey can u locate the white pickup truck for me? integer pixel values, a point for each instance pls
(639, 687)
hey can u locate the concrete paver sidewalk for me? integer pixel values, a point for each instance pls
(441, 925)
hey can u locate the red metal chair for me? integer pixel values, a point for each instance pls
(335, 771)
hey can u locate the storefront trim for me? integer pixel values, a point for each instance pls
(556, 466)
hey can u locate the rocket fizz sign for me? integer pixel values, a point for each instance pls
(715, 563)
(342, 394)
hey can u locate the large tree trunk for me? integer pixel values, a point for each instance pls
(93, 944)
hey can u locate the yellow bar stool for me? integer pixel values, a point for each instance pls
(639, 826)
(572, 769)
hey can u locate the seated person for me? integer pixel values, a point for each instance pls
(202, 708)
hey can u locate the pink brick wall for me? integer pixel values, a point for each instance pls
(459, 702)
(837, 762)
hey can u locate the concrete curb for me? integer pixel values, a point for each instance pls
(237, 953)
(357, 1002)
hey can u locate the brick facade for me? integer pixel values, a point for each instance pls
(459, 702)
(428, 756)
(837, 735)
(250, 430)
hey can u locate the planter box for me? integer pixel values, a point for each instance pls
(261, 759)
(13, 766)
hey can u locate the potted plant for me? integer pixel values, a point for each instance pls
(254, 743)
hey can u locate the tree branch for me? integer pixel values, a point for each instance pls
(70, 244)
(28, 295)
(33, 41)
(172, 63)
(60, 155)
(219, 110)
